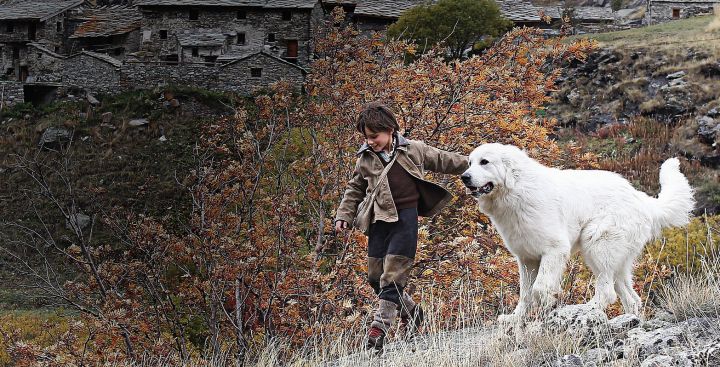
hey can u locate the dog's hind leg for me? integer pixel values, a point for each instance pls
(624, 287)
(604, 264)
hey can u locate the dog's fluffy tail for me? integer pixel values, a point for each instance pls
(675, 201)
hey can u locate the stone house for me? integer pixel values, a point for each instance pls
(257, 71)
(659, 11)
(193, 30)
(26, 21)
(111, 30)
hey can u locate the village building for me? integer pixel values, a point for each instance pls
(31, 21)
(211, 30)
(659, 11)
(113, 30)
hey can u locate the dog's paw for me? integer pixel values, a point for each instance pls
(543, 300)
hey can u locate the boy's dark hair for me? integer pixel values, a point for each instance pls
(377, 117)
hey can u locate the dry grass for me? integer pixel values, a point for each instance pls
(715, 23)
(697, 294)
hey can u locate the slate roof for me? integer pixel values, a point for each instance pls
(520, 11)
(46, 50)
(385, 9)
(290, 4)
(40, 10)
(107, 58)
(287, 4)
(587, 13)
(108, 22)
(201, 39)
(263, 53)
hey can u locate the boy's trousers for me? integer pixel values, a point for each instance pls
(391, 253)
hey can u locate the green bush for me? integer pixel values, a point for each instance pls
(685, 248)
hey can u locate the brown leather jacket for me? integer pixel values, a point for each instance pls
(415, 157)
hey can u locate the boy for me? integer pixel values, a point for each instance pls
(401, 196)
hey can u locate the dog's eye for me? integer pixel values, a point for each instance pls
(484, 162)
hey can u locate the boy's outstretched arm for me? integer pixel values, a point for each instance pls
(354, 194)
(441, 161)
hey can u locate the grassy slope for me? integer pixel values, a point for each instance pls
(675, 35)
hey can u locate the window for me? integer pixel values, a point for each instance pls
(16, 53)
(57, 49)
(241, 14)
(194, 14)
(195, 52)
(676, 13)
(271, 37)
(163, 34)
(255, 72)
(10, 28)
(241, 38)
(286, 15)
(58, 26)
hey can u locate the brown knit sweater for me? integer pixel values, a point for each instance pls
(402, 186)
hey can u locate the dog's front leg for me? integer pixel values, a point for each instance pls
(528, 269)
(547, 284)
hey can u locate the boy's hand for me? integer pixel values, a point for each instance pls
(341, 226)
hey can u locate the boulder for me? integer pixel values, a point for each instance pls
(54, 138)
(657, 360)
(92, 100)
(574, 97)
(676, 75)
(570, 360)
(708, 129)
(623, 322)
(106, 117)
(138, 122)
(584, 319)
(597, 356)
(77, 220)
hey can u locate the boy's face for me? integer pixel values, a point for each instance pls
(378, 141)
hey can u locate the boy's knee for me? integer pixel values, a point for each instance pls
(396, 270)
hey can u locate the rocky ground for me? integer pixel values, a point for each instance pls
(593, 339)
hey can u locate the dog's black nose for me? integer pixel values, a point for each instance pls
(465, 178)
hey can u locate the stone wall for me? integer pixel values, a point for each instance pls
(660, 12)
(91, 73)
(44, 65)
(237, 76)
(11, 92)
(50, 35)
(148, 75)
(102, 74)
(256, 26)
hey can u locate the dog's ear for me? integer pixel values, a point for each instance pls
(512, 174)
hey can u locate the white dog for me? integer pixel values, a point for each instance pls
(545, 214)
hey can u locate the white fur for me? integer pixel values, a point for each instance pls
(545, 214)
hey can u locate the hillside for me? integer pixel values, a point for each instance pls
(646, 94)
